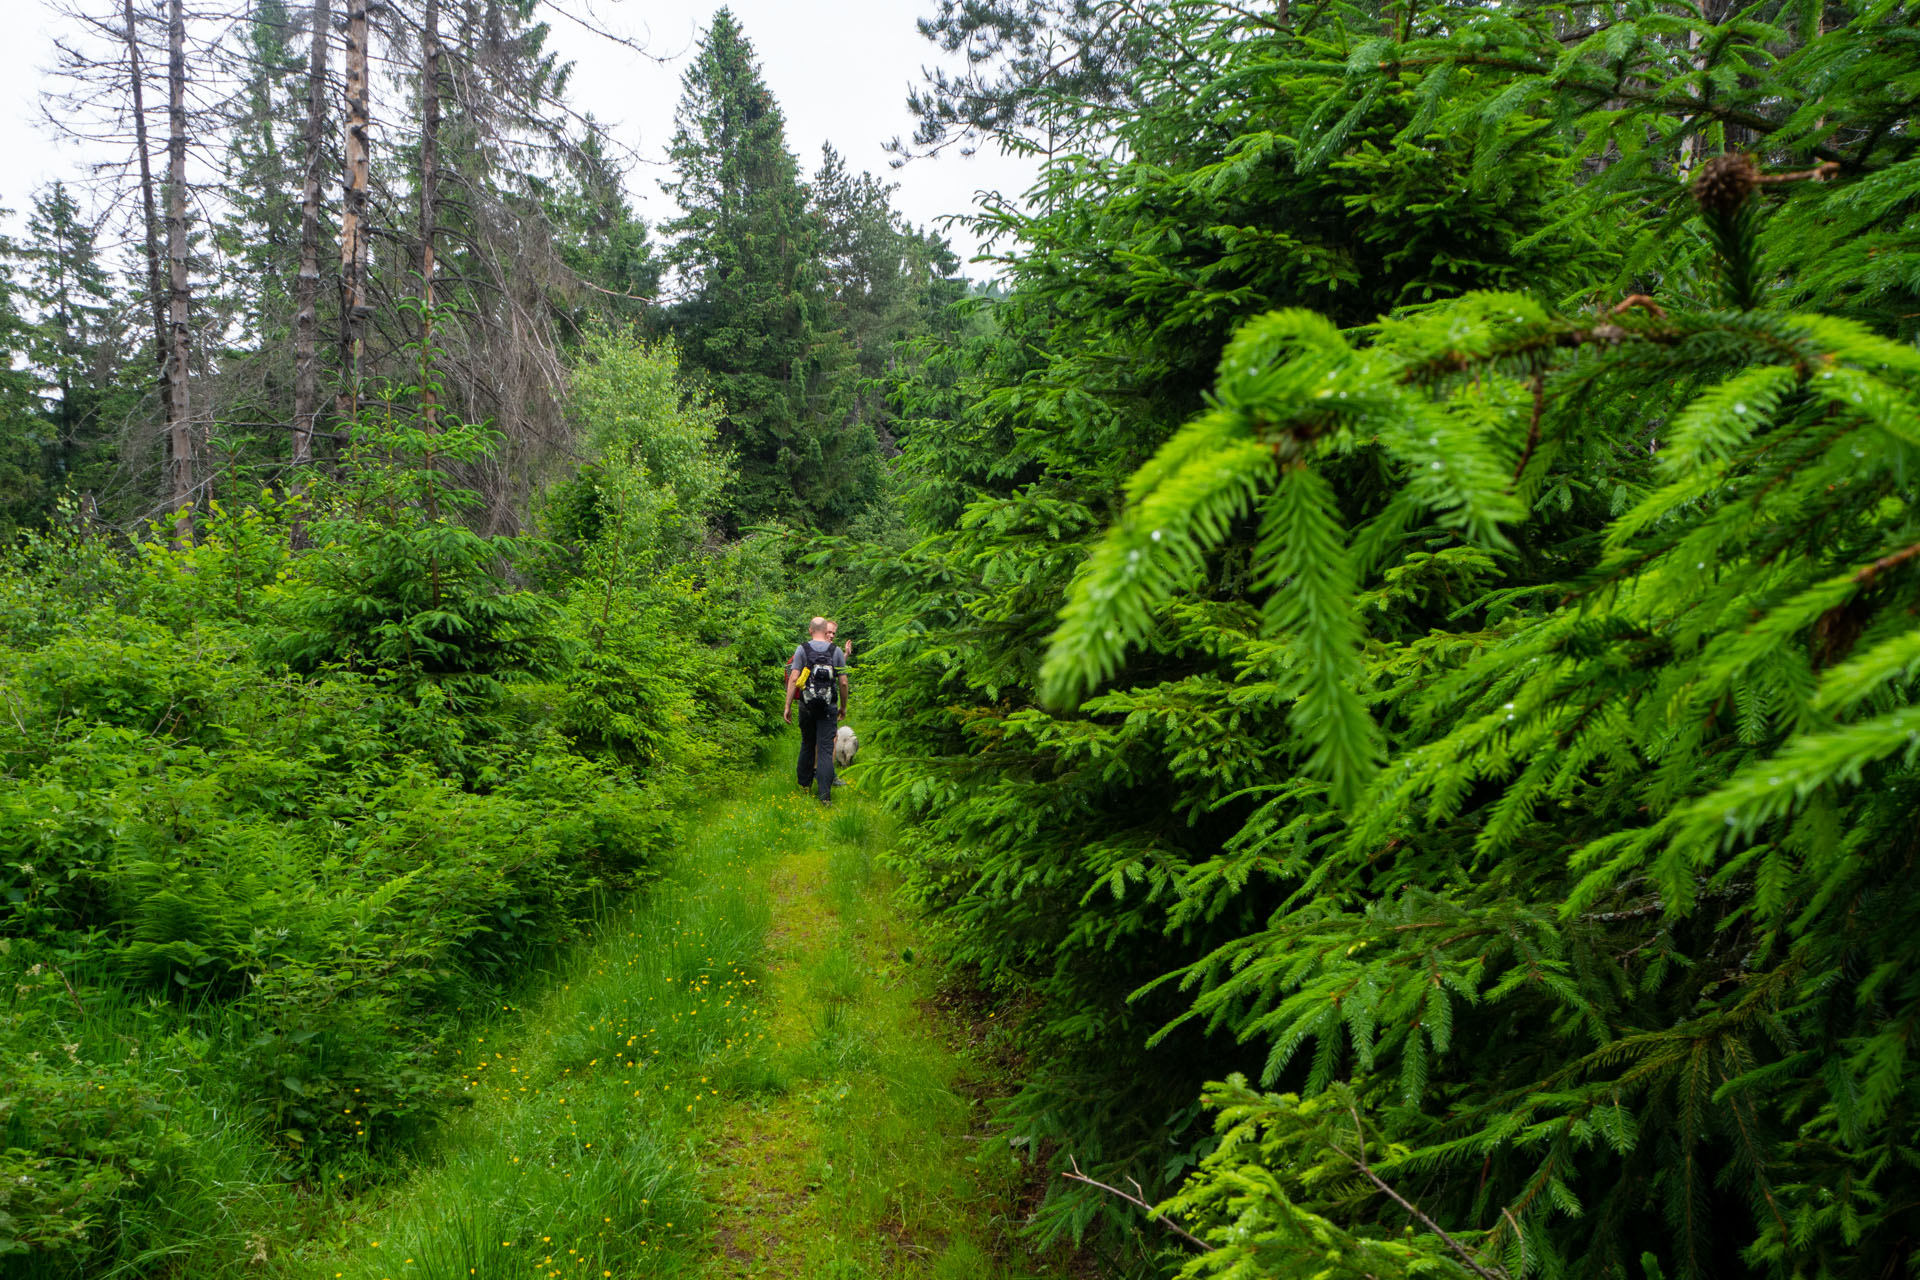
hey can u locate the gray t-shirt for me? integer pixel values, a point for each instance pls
(808, 654)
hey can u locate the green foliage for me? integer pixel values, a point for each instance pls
(90, 1147)
(599, 236)
(798, 297)
(1038, 72)
(1353, 649)
(22, 430)
(1239, 1198)
(72, 343)
(676, 632)
(636, 413)
(1626, 832)
(400, 589)
(281, 821)
(753, 324)
(1050, 841)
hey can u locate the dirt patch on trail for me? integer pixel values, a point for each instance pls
(760, 1202)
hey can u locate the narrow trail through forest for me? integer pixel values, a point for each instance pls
(746, 1075)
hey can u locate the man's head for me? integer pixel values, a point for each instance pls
(820, 629)
(833, 628)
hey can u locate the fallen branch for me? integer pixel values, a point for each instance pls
(71, 993)
(1140, 1202)
(1496, 1273)
(1360, 1162)
(614, 293)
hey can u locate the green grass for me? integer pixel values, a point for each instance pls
(214, 1197)
(580, 1153)
(737, 1075)
(872, 1162)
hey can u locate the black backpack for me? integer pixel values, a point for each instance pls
(819, 688)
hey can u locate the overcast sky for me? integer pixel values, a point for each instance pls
(840, 68)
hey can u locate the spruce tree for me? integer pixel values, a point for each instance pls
(600, 237)
(72, 342)
(1041, 75)
(1477, 737)
(746, 248)
(886, 283)
(25, 432)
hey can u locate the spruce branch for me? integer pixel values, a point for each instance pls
(1723, 190)
(1724, 193)
(1539, 389)
(1866, 575)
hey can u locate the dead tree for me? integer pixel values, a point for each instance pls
(150, 223)
(353, 217)
(306, 284)
(429, 200)
(181, 451)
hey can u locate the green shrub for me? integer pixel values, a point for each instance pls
(285, 820)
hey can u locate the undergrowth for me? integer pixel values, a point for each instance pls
(738, 1076)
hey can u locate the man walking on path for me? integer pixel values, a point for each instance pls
(818, 673)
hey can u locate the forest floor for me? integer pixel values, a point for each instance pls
(749, 1074)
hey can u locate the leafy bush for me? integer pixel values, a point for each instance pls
(679, 635)
(274, 822)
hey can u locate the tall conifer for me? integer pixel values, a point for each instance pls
(1506, 704)
(746, 250)
(23, 430)
(71, 341)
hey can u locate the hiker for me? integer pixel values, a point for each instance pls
(818, 673)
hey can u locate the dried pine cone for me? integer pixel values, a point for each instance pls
(1725, 182)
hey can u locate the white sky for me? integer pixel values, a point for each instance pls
(840, 69)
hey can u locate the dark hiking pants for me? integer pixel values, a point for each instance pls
(816, 748)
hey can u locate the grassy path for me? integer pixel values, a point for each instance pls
(738, 1078)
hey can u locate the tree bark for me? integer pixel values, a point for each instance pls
(306, 285)
(353, 218)
(181, 479)
(156, 294)
(429, 202)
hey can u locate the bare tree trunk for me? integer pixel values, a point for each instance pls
(306, 285)
(429, 202)
(180, 437)
(1690, 145)
(353, 217)
(156, 294)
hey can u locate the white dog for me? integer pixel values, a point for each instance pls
(844, 745)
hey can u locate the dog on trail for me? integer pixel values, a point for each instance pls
(844, 746)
